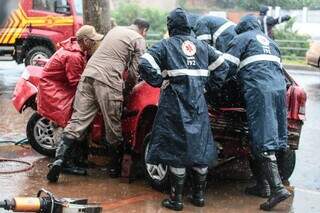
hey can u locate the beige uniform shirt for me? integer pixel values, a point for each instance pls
(120, 50)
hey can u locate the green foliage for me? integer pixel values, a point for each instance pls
(128, 12)
(292, 45)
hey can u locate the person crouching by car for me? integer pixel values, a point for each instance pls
(257, 60)
(61, 75)
(181, 134)
(101, 88)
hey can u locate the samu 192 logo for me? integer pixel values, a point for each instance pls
(189, 49)
(265, 44)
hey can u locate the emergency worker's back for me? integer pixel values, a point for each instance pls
(112, 56)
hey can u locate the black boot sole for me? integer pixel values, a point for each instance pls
(267, 207)
(75, 171)
(167, 203)
(54, 173)
(257, 194)
(197, 203)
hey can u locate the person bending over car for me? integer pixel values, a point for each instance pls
(257, 60)
(61, 74)
(217, 31)
(181, 135)
(101, 88)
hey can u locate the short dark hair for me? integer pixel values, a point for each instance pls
(141, 23)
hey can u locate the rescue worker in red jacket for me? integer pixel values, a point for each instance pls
(61, 75)
(102, 88)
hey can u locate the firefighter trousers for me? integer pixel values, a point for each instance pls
(92, 96)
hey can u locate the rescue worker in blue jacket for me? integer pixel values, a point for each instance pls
(268, 22)
(217, 31)
(257, 60)
(181, 135)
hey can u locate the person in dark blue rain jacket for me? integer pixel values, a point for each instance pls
(257, 61)
(181, 135)
(217, 31)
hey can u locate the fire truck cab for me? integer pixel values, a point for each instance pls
(32, 29)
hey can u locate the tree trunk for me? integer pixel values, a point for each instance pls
(97, 14)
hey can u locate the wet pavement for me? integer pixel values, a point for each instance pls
(223, 194)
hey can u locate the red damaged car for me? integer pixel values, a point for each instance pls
(226, 111)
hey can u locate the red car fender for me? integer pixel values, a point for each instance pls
(139, 114)
(23, 91)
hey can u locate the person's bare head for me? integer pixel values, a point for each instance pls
(143, 26)
(88, 39)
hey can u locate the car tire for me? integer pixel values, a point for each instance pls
(156, 176)
(43, 135)
(35, 53)
(286, 163)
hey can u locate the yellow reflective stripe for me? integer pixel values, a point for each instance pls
(7, 28)
(19, 28)
(13, 29)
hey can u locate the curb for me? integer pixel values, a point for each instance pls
(301, 67)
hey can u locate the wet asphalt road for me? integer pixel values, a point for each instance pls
(223, 195)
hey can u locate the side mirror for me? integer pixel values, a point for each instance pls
(62, 9)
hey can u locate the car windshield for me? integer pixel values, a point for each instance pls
(79, 9)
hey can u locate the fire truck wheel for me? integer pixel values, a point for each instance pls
(37, 52)
(43, 135)
(156, 175)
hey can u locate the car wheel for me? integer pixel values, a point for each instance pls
(38, 52)
(43, 135)
(286, 163)
(156, 175)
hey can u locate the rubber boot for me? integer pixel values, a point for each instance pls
(62, 153)
(115, 152)
(199, 182)
(174, 202)
(278, 192)
(74, 164)
(262, 187)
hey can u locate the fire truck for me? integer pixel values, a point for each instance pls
(32, 29)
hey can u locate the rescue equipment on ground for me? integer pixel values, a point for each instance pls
(49, 204)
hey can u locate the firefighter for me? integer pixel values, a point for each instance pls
(257, 60)
(101, 87)
(181, 135)
(217, 31)
(61, 75)
(268, 22)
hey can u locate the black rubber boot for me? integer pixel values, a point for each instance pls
(278, 192)
(62, 153)
(76, 164)
(199, 182)
(115, 152)
(262, 187)
(174, 202)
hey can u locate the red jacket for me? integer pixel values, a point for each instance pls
(59, 81)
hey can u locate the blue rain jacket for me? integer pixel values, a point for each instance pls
(218, 31)
(257, 61)
(181, 65)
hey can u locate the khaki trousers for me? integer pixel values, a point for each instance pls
(91, 96)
